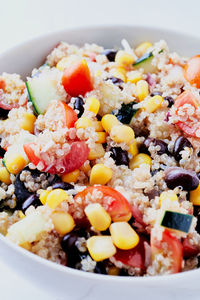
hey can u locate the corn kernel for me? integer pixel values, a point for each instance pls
(142, 89)
(27, 122)
(100, 174)
(93, 104)
(71, 177)
(124, 58)
(122, 134)
(133, 148)
(97, 216)
(15, 163)
(101, 137)
(139, 159)
(108, 121)
(134, 76)
(26, 245)
(119, 73)
(21, 214)
(169, 195)
(195, 196)
(123, 235)
(96, 152)
(97, 73)
(55, 197)
(153, 103)
(5, 176)
(114, 271)
(97, 126)
(142, 48)
(43, 196)
(101, 247)
(83, 122)
(63, 222)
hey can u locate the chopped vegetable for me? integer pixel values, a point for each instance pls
(192, 71)
(126, 112)
(177, 221)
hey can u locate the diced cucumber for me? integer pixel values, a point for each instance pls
(125, 113)
(41, 91)
(177, 221)
(145, 62)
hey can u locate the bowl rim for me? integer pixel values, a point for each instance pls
(64, 269)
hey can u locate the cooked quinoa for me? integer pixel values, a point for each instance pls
(100, 159)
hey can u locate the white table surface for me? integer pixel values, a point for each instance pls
(23, 19)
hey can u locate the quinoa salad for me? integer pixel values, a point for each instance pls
(100, 159)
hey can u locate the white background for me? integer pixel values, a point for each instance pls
(23, 19)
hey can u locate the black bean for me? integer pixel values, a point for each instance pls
(198, 154)
(156, 93)
(79, 105)
(98, 117)
(21, 191)
(176, 176)
(198, 175)
(3, 113)
(179, 145)
(2, 151)
(110, 54)
(32, 200)
(100, 268)
(62, 185)
(120, 156)
(68, 241)
(170, 101)
(144, 148)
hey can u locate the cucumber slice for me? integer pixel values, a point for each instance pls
(145, 62)
(125, 113)
(41, 91)
(177, 221)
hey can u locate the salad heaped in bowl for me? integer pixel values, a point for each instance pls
(100, 159)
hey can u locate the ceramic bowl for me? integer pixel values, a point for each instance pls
(60, 281)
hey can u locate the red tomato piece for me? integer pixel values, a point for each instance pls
(114, 203)
(189, 127)
(73, 160)
(77, 79)
(134, 257)
(175, 249)
(137, 215)
(189, 249)
(2, 84)
(192, 71)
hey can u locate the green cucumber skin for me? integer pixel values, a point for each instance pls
(30, 98)
(126, 113)
(176, 221)
(143, 58)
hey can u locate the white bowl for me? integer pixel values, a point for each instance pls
(63, 282)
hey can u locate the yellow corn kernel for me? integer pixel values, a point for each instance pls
(101, 247)
(139, 159)
(21, 214)
(169, 195)
(15, 163)
(86, 167)
(100, 174)
(114, 271)
(195, 196)
(108, 121)
(5, 176)
(133, 148)
(142, 48)
(124, 58)
(142, 89)
(63, 222)
(65, 62)
(83, 122)
(153, 103)
(122, 134)
(43, 196)
(123, 235)
(55, 197)
(119, 73)
(26, 245)
(27, 122)
(97, 126)
(97, 73)
(97, 216)
(71, 177)
(93, 104)
(101, 137)
(134, 76)
(96, 152)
